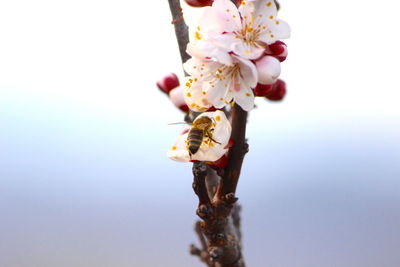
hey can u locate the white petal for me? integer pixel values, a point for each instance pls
(194, 95)
(179, 151)
(218, 93)
(269, 69)
(248, 51)
(222, 131)
(280, 29)
(245, 97)
(266, 8)
(209, 50)
(248, 71)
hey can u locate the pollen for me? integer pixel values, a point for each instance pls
(174, 148)
(227, 10)
(271, 17)
(248, 94)
(277, 22)
(188, 94)
(221, 99)
(217, 118)
(197, 35)
(188, 84)
(269, 4)
(204, 93)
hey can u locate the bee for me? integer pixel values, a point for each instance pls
(202, 128)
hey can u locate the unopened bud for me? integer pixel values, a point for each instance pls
(278, 50)
(168, 82)
(262, 89)
(269, 69)
(278, 92)
(199, 3)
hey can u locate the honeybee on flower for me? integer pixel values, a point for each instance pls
(213, 132)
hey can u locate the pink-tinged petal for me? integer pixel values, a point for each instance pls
(209, 50)
(269, 69)
(228, 14)
(194, 96)
(222, 16)
(248, 71)
(176, 97)
(245, 97)
(178, 151)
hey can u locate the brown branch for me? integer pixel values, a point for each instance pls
(181, 29)
(236, 154)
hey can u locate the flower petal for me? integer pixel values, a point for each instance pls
(245, 97)
(248, 71)
(194, 95)
(179, 151)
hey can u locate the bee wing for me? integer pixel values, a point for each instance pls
(175, 123)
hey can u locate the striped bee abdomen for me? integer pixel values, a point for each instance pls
(195, 138)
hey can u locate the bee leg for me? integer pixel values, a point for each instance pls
(214, 140)
(209, 136)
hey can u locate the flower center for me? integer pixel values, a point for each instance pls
(248, 34)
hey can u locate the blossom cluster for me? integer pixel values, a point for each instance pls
(234, 49)
(235, 55)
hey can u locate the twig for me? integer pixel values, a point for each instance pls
(220, 223)
(181, 29)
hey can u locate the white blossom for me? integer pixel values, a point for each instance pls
(212, 83)
(246, 31)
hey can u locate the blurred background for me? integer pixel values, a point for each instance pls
(84, 177)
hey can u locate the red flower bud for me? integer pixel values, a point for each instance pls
(262, 89)
(278, 50)
(278, 91)
(199, 3)
(168, 82)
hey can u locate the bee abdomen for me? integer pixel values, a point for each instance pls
(195, 137)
